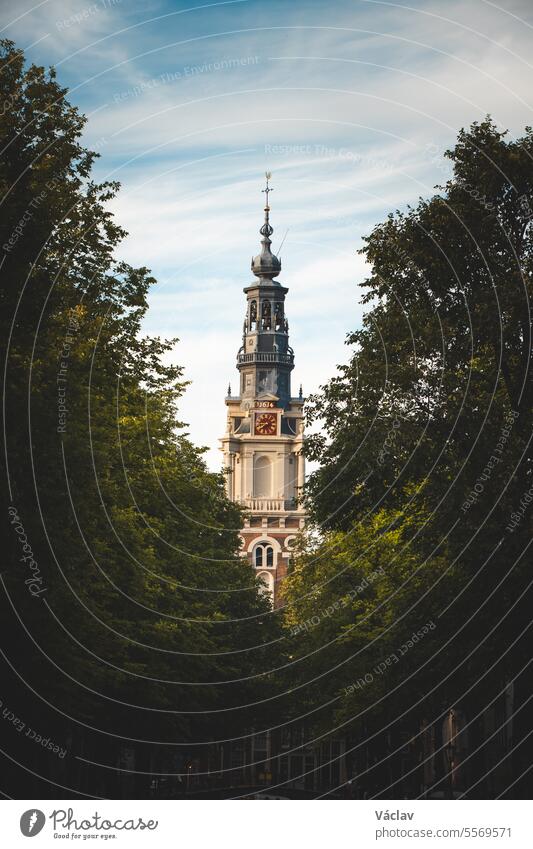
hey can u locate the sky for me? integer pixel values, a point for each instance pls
(349, 103)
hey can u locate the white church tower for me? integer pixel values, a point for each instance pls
(262, 445)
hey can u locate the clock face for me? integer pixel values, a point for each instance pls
(266, 424)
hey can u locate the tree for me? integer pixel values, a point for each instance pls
(432, 417)
(128, 610)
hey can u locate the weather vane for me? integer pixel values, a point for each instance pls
(268, 176)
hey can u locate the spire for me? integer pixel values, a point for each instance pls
(266, 264)
(265, 359)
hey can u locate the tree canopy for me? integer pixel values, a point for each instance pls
(425, 455)
(133, 613)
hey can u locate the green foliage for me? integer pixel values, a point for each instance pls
(444, 353)
(425, 448)
(147, 600)
(354, 601)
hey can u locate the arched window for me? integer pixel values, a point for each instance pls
(266, 316)
(262, 477)
(268, 580)
(253, 315)
(263, 556)
(279, 316)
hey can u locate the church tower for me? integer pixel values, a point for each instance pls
(262, 445)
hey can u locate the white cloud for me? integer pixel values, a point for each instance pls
(355, 89)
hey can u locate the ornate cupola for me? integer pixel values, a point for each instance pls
(262, 446)
(266, 264)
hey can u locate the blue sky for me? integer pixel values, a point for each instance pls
(349, 104)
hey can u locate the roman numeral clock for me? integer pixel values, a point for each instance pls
(266, 424)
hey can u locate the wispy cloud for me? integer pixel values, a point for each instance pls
(190, 103)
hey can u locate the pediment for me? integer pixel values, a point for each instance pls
(267, 396)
